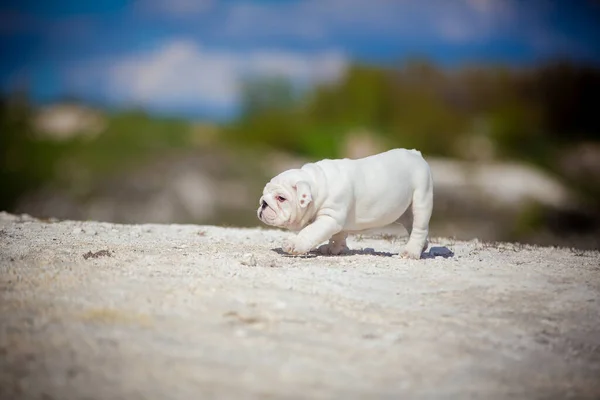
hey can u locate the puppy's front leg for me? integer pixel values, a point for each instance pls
(323, 228)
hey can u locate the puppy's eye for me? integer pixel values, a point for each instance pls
(280, 199)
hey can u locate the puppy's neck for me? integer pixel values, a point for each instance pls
(306, 219)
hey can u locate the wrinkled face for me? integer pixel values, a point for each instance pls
(277, 206)
(283, 204)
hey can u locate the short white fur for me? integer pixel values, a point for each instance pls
(328, 199)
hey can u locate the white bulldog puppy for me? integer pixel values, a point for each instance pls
(328, 199)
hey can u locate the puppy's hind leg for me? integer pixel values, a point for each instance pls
(422, 207)
(406, 220)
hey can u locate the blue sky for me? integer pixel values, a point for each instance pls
(188, 57)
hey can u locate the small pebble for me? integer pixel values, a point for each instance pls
(249, 259)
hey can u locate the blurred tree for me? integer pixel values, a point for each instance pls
(266, 93)
(568, 94)
(269, 115)
(18, 161)
(529, 114)
(29, 160)
(362, 99)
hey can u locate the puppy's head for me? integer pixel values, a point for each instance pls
(285, 200)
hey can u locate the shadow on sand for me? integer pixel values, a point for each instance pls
(433, 252)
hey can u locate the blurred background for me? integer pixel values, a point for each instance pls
(179, 111)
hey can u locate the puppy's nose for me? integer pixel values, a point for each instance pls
(263, 205)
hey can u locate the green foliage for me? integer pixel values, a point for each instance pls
(322, 141)
(527, 113)
(530, 115)
(360, 100)
(262, 94)
(129, 138)
(30, 160)
(24, 163)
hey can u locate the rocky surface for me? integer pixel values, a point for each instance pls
(103, 311)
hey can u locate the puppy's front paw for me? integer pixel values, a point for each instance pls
(296, 246)
(408, 254)
(413, 251)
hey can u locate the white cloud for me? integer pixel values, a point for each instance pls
(487, 7)
(175, 8)
(308, 19)
(454, 21)
(181, 73)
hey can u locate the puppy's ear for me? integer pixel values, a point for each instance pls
(303, 193)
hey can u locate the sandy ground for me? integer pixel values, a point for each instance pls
(103, 311)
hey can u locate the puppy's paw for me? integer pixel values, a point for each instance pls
(410, 255)
(413, 251)
(333, 249)
(296, 246)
